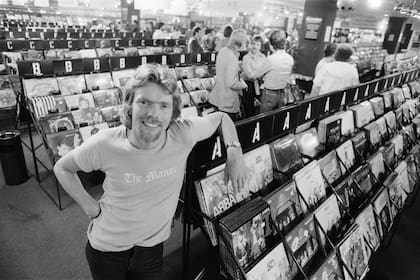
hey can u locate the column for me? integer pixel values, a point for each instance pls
(393, 34)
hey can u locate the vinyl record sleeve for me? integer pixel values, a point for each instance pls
(383, 131)
(387, 99)
(368, 227)
(330, 269)
(106, 97)
(352, 251)
(99, 81)
(87, 53)
(398, 142)
(372, 132)
(40, 87)
(397, 97)
(79, 101)
(199, 96)
(120, 78)
(72, 54)
(70, 85)
(43, 105)
(208, 83)
(32, 55)
(308, 142)
(88, 131)
(347, 122)
(302, 241)
(310, 184)
(7, 98)
(63, 142)
(56, 123)
(402, 171)
(345, 153)
(362, 176)
(285, 155)
(330, 167)
(391, 121)
(396, 193)
(377, 106)
(388, 152)
(363, 114)
(382, 208)
(184, 72)
(328, 216)
(376, 165)
(274, 265)
(201, 71)
(360, 145)
(329, 130)
(284, 205)
(112, 114)
(104, 52)
(87, 117)
(131, 51)
(406, 91)
(413, 176)
(192, 84)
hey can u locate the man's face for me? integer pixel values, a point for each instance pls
(255, 47)
(152, 113)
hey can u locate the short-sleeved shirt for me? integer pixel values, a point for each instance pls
(276, 70)
(336, 75)
(141, 187)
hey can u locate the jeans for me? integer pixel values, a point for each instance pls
(248, 99)
(273, 99)
(140, 263)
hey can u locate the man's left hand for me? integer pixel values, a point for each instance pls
(235, 169)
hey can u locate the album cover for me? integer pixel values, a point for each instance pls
(51, 54)
(328, 216)
(406, 115)
(329, 270)
(43, 105)
(363, 114)
(99, 81)
(397, 196)
(372, 132)
(345, 153)
(347, 122)
(387, 96)
(86, 117)
(112, 114)
(199, 96)
(399, 117)
(189, 112)
(180, 86)
(184, 72)
(363, 177)
(56, 123)
(330, 168)
(156, 50)
(329, 130)
(409, 136)
(105, 52)
(388, 152)
(398, 142)
(7, 98)
(391, 122)
(247, 232)
(383, 130)
(285, 206)
(349, 195)
(131, 51)
(121, 78)
(208, 83)
(60, 53)
(360, 145)
(352, 251)
(5, 82)
(303, 242)
(201, 71)
(367, 223)
(72, 54)
(79, 101)
(397, 97)
(285, 155)
(376, 165)
(402, 171)
(63, 142)
(413, 176)
(311, 185)
(144, 51)
(87, 131)
(185, 100)
(377, 106)
(308, 142)
(70, 85)
(406, 91)
(32, 55)
(274, 265)
(40, 87)
(382, 209)
(192, 84)
(87, 53)
(106, 97)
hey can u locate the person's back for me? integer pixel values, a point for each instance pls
(329, 52)
(281, 68)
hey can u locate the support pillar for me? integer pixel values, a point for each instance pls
(393, 34)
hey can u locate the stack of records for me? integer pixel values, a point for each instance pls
(130, 51)
(398, 142)
(32, 55)
(199, 96)
(329, 130)
(363, 114)
(383, 129)
(387, 99)
(208, 83)
(363, 178)
(72, 84)
(329, 221)
(330, 269)
(377, 106)
(397, 195)
(105, 52)
(346, 156)
(121, 78)
(308, 143)
(106, 97)
(40, 87)
(347, 122)
(79, 101)
(184, 72)
(99, 81)
(349, 195)
(63, 142)
(56, 123)
(382, 209)
(201, 71)
(192, 84)
(330, 168)
(87, 117)
(367, 223)
(87, 53)
(88, 131)
(372, 132)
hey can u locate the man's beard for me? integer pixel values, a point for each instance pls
(145, 135)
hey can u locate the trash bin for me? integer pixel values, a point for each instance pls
(12, 158)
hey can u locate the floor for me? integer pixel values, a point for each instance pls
(38, 241)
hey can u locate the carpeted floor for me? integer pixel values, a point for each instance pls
(37, 241)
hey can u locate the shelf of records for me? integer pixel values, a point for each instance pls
(317, 203)
(69, 109)
(72, 33)
(75, 44)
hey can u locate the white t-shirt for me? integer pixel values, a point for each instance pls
(141, 187)
(336, 75)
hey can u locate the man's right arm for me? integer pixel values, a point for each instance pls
(65, 171)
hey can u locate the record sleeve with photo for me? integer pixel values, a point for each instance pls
(70, 85)
(199, 96)
(376, 165)
(99, 81)
(409, 136)
(406, 91)
(87, 53)
(192, 84)
(79, 101)
(388, 152)
(201, 71)
(40, 87)
(330, 168)
(87, 117)
(208, 83)
(391, 122)
(56, 123)
(7, 98)
(285, 155)
(363, 114)
(274, 265)
(87, 131)
(367, 223)
(112, 114)
(63, 142)
(285, 206)
(347, 122)
(377, 106)
(32, 55)
(349, 195)
(397, 196)
(308, 143)
(362, 176)
(345, 154)
(106, 97)
(399, 116)
(353, 254)
(360, 145)
(329, 130)
(398, 142)
(120, 78)
(372, 133)
(311, 186)
(397, 97)
(184, 72)
(330, 269)
(413, 176)
(131, 51)
(302, 241)
(104, 52)
(402, 171)
(382, 208)
(328, 216)
(72, 54)
(383, 130)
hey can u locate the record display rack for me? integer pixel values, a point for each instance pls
(71, 33)
(270, 126)
(73, 67)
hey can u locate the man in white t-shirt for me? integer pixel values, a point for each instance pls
(336, 75)
(144, 161)
(329, 52)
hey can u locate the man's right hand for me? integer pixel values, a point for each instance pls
(93, 211)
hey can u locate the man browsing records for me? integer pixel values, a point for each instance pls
(144, 161)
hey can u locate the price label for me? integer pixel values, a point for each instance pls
(213, 57)
(163, 59)
(199, 57)
(182, 58)
(143, 60)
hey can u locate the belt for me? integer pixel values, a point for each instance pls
(274, 91)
